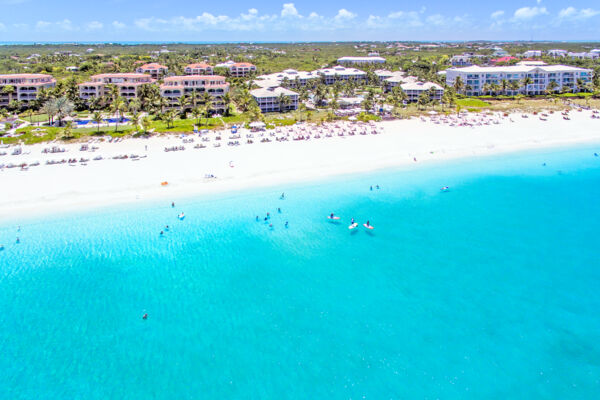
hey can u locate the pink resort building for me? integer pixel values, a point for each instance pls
(198, 69)
(242, 69)
(128, 84)
(155, 70)
(176, 86)
(26, 87)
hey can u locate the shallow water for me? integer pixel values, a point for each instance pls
(489, 290)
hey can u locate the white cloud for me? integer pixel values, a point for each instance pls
(497, 14)
(525, 13)
(64, 25)
(289, 10)
(573, 13)
(344, 15)
(94, 26)
(118, 25)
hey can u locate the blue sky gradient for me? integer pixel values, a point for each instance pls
(260, 20)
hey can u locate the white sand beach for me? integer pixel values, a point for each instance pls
(45, 189)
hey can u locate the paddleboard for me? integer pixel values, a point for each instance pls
(352, 226)
(368, 226)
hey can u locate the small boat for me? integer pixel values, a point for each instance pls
(181, 216)
(352, 226)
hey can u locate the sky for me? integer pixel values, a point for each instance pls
(309, 20)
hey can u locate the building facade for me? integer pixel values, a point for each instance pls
(340, 73)
(239, 70)
(268, 99)
(155, 70)
(26, 87)
(175, 87)
(198, 69)
(474, 78)
(361, 60)
(288, 78)
(128, 84)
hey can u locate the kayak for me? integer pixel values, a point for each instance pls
(352, 226)
(368, 226)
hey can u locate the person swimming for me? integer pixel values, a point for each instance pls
(18, 240)
(268, 216)
(145, 316)
(286, 224)
(282, 196)
(161, 233)
(257, 218)
(279, 210)
(370, 187)
(172, 204)
(377, 187)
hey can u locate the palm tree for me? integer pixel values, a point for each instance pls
(226, 99)
(117, 107)
(487, 88)
(63, 107)
(9, 90)
(113, 91)
(143, 123)
(525, 83)
(169, 118)
(183, 102)
(207, 100)
(283, 102)
(459, 85)
(514, 86)
(504, 85)
(97, 118)
(134, 106)
(197, 113)
(551, 87)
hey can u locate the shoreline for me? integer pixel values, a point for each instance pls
(48, 189)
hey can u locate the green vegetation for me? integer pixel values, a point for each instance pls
(471, 102)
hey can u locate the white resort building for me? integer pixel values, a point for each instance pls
(26, 86)
(268, 99)
(128, 84)
(476, 77)
(361, 60)
(238, 70)
(176, 86)
(289, 78)
(198, 69)
(340, 73)
(155, 70)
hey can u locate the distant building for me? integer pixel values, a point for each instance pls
(476, 77)
(198, 69)
(239, 70)
(339, 73)
(188, 85)
(27, 86)
(268, 99)
(155, 70)
(361, 60)
(583, 56)
(532, 53)
(415, 89)
(128, 84)
(557, 53)
(462, 60)
(288, 78)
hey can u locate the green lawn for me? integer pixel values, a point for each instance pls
(471, 102)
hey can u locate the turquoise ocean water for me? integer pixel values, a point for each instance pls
(490, 290)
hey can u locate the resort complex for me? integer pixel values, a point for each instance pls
(127, 84)
(526, 79)
(190, 86)
(23, 87)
